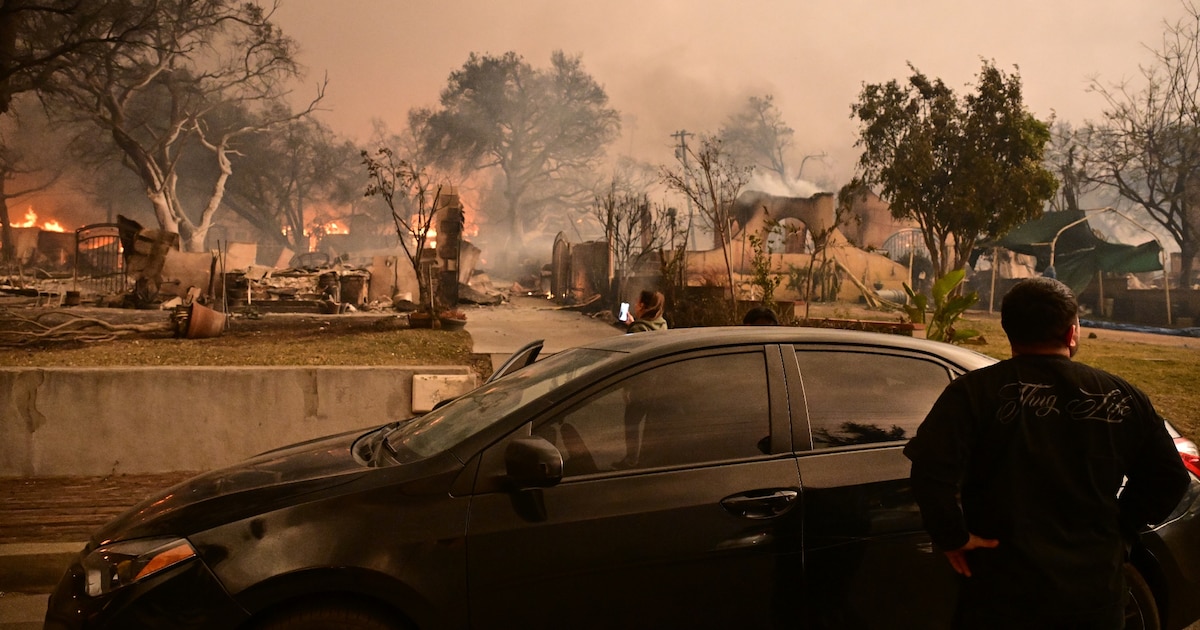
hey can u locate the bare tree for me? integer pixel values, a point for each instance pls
(407, 192)
(1067, 157)
(711, 180)
(635, 229)
(162, 95)
(757, 134)
(1147, 148)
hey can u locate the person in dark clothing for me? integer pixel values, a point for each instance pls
(1016, 470)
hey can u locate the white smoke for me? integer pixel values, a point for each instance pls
(770, 182)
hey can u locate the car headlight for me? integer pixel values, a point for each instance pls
(118, 565)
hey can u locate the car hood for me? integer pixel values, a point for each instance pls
(253, 486)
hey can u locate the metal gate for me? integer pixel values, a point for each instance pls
(905, 245)
(100, 260)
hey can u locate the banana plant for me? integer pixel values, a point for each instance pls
(947, 308)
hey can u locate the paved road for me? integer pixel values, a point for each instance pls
(500, 330)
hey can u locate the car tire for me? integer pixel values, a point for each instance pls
(1141, 611)
(327, 615)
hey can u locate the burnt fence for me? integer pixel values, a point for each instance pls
(100, 260)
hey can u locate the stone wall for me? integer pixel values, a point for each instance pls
(100, 421)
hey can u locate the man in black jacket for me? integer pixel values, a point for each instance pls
(1017, 468)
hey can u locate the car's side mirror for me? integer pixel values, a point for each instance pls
(533, 462)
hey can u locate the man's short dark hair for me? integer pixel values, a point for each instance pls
(760, 316)
(1038, 310)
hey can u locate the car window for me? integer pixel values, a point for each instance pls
(860, 398)
(446, 426)
(692, 411)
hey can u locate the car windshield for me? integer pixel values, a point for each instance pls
(449, 425)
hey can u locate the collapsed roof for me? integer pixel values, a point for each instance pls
(1066, 242)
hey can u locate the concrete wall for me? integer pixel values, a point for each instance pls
(98, 421)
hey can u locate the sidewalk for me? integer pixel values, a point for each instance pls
(45, 521)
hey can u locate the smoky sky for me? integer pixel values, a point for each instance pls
(687, 64)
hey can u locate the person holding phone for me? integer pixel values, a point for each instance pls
(641, 396)
(647, 313)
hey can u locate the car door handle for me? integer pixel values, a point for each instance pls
(757, 505)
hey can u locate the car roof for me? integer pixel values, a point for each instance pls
(682, 339)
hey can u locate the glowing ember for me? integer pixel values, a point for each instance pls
(333, 228)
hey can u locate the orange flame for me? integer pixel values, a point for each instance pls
(470, 201)
(31, 220)
(430, 234)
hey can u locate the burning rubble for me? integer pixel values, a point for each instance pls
(126, 265)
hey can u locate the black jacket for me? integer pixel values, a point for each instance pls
(1036, 448)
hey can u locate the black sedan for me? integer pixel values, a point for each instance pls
(728, 477)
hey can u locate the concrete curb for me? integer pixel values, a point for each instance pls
(34, 567)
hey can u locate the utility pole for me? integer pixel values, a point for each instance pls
(681, 153)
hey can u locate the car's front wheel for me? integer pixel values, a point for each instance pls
(1141, 611)
(328, 615)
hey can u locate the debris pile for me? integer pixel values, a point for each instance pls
(124, 265)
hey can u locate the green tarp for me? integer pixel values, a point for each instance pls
(1078, 253)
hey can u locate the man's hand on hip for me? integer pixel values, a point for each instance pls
(958, 557)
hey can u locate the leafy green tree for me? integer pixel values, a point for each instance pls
(543, 130)
(962, 169)
(757, 134)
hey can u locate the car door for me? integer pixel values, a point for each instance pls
(868, 561)
(677, 506)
